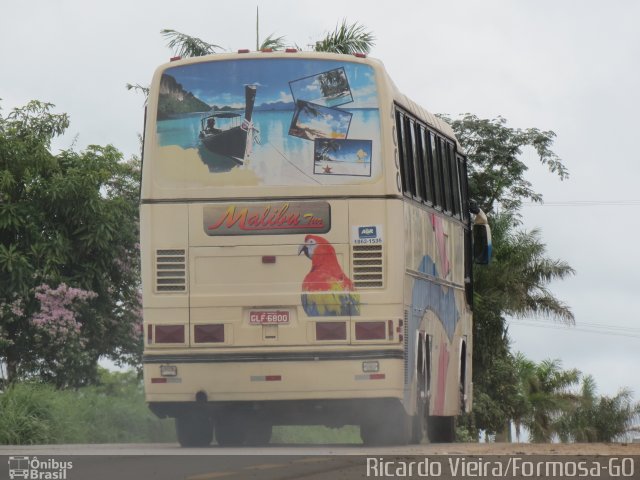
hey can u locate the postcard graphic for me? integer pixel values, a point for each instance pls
(329, 89)
(311, 121)
(342, 157)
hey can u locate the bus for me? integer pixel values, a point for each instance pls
(307, 245)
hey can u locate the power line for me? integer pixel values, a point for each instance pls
(583, 203)
(597, 328)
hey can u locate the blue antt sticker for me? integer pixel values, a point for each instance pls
(367, 232)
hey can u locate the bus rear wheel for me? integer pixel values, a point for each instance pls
(258, 434)
(230, 431)
(393, 427)
(442, 429)
(194, 430)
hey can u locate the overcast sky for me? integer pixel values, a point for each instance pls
(572, 67)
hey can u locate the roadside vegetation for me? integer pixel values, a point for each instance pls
(69, 289)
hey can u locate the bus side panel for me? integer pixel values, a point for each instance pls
(435, 305)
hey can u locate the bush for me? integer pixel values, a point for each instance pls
(112, 411)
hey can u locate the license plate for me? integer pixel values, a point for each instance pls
(268, 317)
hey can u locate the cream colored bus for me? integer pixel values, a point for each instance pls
(306, 252)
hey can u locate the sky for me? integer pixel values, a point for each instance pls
(572, 67)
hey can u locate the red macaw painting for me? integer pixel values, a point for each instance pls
(326, 289)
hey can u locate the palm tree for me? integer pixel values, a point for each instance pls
(188, 46)
(346, 38)
(600, 418)
(548, 396)
(516, 280)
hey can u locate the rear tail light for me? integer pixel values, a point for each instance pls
(169, 334)
(208, 333)
(371, 331)
(390, 329)
(331, 330)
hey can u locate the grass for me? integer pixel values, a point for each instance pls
(114, 411)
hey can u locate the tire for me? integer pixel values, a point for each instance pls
(194, 430)
(442, 429)
(258, 434)
(393, 427)
(230, 431)
(419, 423)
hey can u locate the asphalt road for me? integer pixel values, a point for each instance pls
(275, 462)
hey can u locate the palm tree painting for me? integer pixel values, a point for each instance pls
(342, 157)
(329, 89)
(312, 121)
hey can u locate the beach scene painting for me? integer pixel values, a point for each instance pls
(268, 122)
(342, 157)
(329, 89)
(311, 121)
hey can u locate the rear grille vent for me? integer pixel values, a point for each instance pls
(367, 266)
(171, 271)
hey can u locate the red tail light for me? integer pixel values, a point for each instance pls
(390, 329)
(209, 333)
(370, 331)
(169, 333)
(331, 331)
(149, 333)
(243, 50)
(175, 59)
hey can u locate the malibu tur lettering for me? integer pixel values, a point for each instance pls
(265, 218)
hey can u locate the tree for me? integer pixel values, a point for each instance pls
(599, 418)
(515, 284)
(346, 38)
(548, 395)
(496, 173)
(68, 252)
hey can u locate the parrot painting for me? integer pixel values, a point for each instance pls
(326, 290)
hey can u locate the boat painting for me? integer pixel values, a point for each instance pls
(230, 141)
(275, 121)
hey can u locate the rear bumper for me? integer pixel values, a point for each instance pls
(333, 413)
(221, 378)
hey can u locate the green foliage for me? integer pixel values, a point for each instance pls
(515, 284)
(347, 38)
(273, 43)
(69, 218)
(599, 419)
(316, 435)
(496, 172)
(188, 46)
(112, 411)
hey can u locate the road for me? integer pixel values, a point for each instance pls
(275, 462)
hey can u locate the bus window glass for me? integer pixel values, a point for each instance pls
(446, 175)
(418, 182)
(434, 159)
(464, 187)
(257, 122)
(427, 167)
(455, 181)
(402, 150)
(410, 190)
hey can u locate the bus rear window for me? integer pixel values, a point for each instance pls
(274, 121)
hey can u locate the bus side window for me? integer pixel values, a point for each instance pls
(446, 176)
(418, 174)
(455, 181)
(427, 166)
(402, 150)
(408, 163)
(437, 169)
(464, 187)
